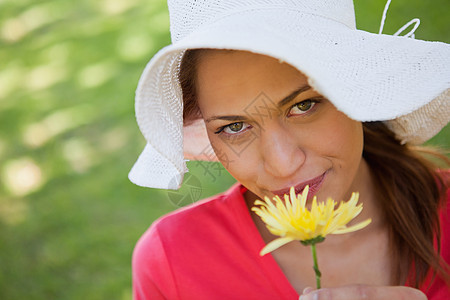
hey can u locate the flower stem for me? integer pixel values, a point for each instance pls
(316, 266)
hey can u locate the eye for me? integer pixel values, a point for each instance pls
(233, 128)
(302, 107)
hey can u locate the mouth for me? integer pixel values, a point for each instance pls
(314, 186)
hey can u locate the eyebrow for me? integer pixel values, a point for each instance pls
(292, 95)
(280, 104)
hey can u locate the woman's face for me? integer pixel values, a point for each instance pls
(271, 130)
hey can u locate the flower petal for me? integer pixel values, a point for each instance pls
(275, 244)
(355, 227)
(291, 220)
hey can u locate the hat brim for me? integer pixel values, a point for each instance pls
(369, 77)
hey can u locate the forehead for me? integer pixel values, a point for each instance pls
(238, 77)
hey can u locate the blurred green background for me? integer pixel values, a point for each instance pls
(69, 217)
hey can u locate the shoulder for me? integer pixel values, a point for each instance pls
(199, 216)
(438, 288)
(178, 239)
(444, 216)
(183, 226)
(174, 244)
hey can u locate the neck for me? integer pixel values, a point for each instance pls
(365, 184)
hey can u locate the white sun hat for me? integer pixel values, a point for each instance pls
(369, 77)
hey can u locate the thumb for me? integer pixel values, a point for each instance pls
(306, 291)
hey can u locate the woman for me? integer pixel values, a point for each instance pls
(289, 93)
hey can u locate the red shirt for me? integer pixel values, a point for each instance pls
(210, 250)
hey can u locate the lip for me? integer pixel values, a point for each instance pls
(314, 185)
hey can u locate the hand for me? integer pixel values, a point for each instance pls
(358, 292)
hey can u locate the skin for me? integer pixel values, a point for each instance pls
(302, 139)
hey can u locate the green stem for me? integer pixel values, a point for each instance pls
(316, 265)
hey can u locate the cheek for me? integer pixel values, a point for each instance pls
(334, 136)
(345, 139)
(236, 157)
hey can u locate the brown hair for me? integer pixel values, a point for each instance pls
(409, 187)
(411, 193)
(188, 78)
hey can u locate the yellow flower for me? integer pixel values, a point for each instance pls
(291, 220)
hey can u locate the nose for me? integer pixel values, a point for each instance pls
(282, 153)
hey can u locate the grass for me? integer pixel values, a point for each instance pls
(69, 217)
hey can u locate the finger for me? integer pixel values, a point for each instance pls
(358, 292)
(307, 290)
